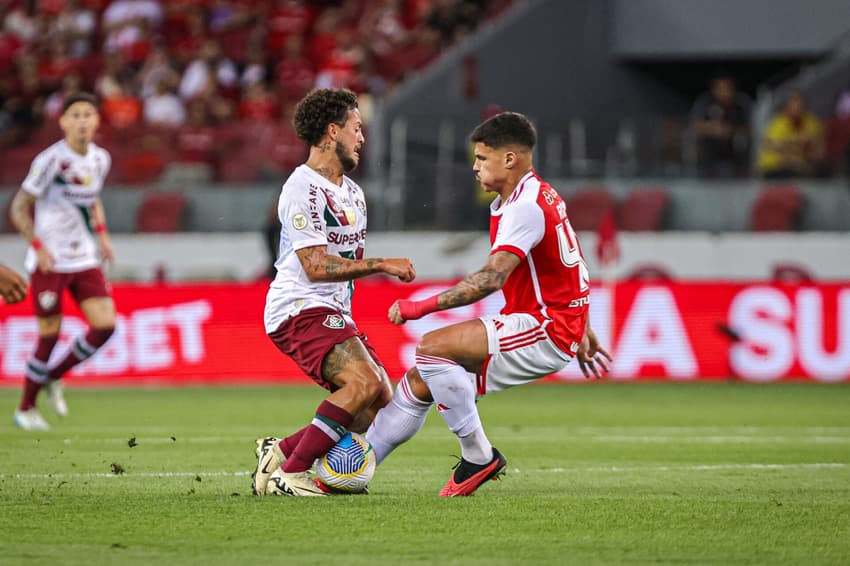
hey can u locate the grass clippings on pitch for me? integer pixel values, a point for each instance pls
(600, 474)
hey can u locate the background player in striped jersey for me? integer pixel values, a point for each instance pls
(308, 307)
(58, 211)
(536, 261)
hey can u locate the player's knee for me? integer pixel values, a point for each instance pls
(366, 386)
(431, 345)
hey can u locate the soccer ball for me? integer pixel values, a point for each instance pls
(349, 466)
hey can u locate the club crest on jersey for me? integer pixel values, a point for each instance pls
(334, 321)
(299, 221)
(350, 216)
(47, 299)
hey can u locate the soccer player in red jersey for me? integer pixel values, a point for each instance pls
(308, 307)
(59, 213)
(536, 261)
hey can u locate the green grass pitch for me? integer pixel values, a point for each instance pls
(602, 473)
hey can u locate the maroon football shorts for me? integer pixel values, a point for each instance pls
(47, 289)
(308, 337)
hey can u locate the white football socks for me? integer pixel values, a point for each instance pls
(454, 393)
(398, 422)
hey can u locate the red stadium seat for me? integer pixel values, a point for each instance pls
(777, 209)
(643, 210)
(588, 207)
(161, 213)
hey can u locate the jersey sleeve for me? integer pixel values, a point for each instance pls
(521, 228)
(300, 212)
(41, 173)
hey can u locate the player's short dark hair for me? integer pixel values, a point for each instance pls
(505, 128)
(320, 108)
(78, 97)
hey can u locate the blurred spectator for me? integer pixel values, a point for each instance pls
(793, 144)
(188, 44)
(128, 25)
(294, 73)
(164, 108)
(283, 150)
(287, 18)
(205, 74)
(842, 104)
(53, 68)
(341, 63)
(255, 69)
(76, 25)
(196, 149)
(26, 102)
(383, 27)
(224, 16)
(112, 76)
(23, 22)
(121, 109)
(71, 84)
(258, 103)
(720, 122)
(157, 68)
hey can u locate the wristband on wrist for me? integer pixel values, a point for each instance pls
(36, 244)
(412, 310)
(100, 228)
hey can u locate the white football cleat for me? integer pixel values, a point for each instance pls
(30, 419)
(269, 459)
(56, 397)
(295, 484)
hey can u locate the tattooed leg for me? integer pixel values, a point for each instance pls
(362, 383)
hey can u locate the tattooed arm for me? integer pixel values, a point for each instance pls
(319, 265)
(474, 287)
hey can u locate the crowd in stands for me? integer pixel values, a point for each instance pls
(795, 142)
(205, 89)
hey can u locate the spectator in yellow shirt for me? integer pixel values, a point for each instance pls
(793, 144)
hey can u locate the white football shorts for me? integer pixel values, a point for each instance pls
(520, 351)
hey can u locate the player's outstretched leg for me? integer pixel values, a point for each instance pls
(468, 477)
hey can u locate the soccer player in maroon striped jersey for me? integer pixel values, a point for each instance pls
(536, 261)
(308, 307)
(59, 213)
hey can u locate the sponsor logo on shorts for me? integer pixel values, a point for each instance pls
(299, 221)
(47, 300)
(334, 321)
(580, 302)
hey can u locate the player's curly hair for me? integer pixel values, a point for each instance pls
(505, 128)
(321, 107)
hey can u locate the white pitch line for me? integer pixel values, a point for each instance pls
(689, 468)
(716, 439)
(127, 475)
(576, 469)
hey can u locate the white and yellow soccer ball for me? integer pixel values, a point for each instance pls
(349, 466)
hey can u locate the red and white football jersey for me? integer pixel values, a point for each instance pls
(552, 281)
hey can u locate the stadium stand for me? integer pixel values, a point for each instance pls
(777, 208)
(643, 210)
(289, 46)
(161, 212)
(588, 207)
